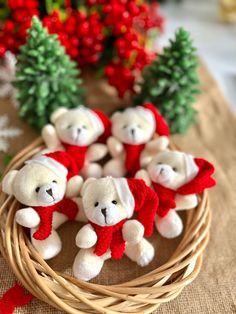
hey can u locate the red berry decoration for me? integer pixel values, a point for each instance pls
(108, 34)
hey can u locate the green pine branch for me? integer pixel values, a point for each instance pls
(46, 78)
(171, 82)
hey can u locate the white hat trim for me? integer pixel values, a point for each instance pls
(191, 167)
(51, 164)
(125, 195)
(94, 118)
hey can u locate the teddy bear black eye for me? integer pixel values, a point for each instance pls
(139, 126)
(174, 169)
(84, 127)
(114, 202)
(159, 163)
(125, 126)
(37, 189)
(54, 181)
(96, 204)
(69, 126)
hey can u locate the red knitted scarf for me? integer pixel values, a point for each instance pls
(109, 237)
(78, 154)
(14, 297)
(66, 206)
(132, 158)
(197, 185)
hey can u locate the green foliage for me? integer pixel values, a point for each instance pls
(171, 82)
(7, 158)
(46, 78)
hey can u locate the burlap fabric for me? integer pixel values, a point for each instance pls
(213, 137)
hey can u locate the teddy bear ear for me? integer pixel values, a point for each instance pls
(7, 182)
(115, 116)
(57, 113)
(86, 184)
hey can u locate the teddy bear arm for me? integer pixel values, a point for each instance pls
(27, 217)
(115, 147)
(132, 231)
(86, 237)
(157, 144)
(184, 202)
(96, 152)
(145, 158)
(143, 174)
(50, 137)
(73, 186)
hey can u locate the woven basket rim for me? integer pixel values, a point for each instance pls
(140, 295)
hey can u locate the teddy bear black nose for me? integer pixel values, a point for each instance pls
(162, 169)
(104, 211)
(132, 131)
(49, 191)
(78, 130)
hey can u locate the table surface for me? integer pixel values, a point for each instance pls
(213, 137)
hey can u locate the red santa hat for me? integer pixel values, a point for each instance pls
(100, 122)
(59, 162)
(137, 197)
(106, 124)
(161, 126)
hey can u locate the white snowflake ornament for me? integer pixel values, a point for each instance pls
(7, 76)
(6, 133)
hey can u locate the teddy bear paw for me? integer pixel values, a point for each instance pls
(87, 265)
(170, 226)
(49, 247)
(142, 253)
(146, 255)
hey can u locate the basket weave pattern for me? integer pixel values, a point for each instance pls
(140, 295)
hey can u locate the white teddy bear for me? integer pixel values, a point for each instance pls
(177, 178)
(77, 130)
(134, 130)
(108, 204)
(43, 184)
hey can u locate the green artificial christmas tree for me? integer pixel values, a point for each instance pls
(171, 82)
(46, 78)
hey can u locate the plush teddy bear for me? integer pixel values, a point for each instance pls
(108, 204)
(43, 184)
(133, 130)
(77, 130)
(177, 178)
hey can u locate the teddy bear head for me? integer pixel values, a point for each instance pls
(172, 169)
(101, 202)
(35, 185)
(79, 126)
(133, 125)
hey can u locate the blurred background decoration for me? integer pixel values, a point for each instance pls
(228, 10)
(112, 36)
(122, 40)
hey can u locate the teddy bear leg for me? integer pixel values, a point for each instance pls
(170, 226)
(142, 253)
(114, 168)
(88, 265)
(58, 220)
(93, 170)
(49, 247)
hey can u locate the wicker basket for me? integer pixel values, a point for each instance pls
(140, 295)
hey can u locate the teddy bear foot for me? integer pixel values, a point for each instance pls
(142, 253)
(49, 247)
(114, 168)
(88, 265)
(92, 170)
(170, 226)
